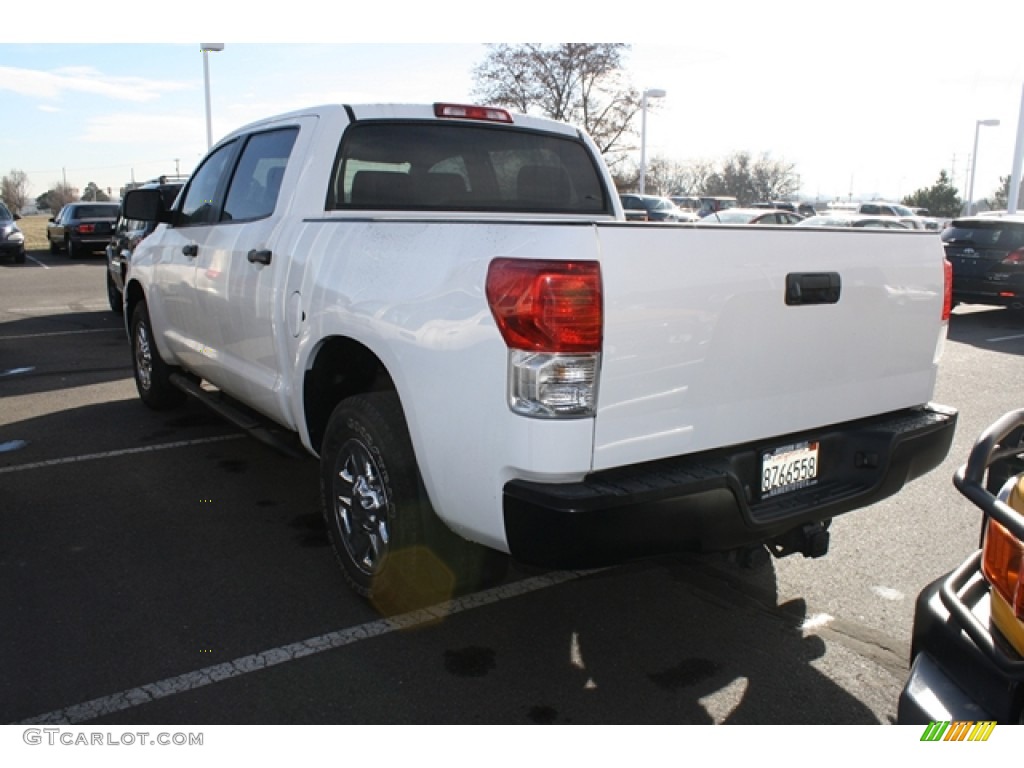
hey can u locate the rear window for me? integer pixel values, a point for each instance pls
(96, 211)
(986, 234)
(444, 167)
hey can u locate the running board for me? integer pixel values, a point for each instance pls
(240, 416)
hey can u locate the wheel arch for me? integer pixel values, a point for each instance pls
(133, 294)
(339, 367)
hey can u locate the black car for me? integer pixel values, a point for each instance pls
(82, 228)
(987, 254)
(967, 648)
(127, 234)
(12, 239)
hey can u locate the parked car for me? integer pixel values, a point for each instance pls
(775, 205)
(987, 254)
(752, 216)
(851, 220)
(12, 239)
(82, 228)
(930, 222)
(657, 208)
(686, 204)
(127, 234)
(967, 647)
(899, 212)
(711, 204)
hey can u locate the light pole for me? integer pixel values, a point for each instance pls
(650, 93)
(206, 48)
(974, 161)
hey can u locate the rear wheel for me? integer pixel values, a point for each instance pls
(152, 374)
(392, 548)
(71, 248)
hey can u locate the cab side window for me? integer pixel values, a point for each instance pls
(257, 180)
(202, 203)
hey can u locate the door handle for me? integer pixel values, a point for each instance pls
(813, 288)
(191, 250)
(259, 257)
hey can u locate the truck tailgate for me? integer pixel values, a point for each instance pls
(716, 336)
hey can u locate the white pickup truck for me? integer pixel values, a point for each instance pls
(446, 305)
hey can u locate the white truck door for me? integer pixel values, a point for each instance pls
(236, 272)
(171, 254)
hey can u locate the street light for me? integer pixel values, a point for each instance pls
(206, 48)
(974, 161)
(650, 93)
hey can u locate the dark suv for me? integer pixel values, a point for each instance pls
(987, 254)
(81, 228)
(12, 240)
(128, 233)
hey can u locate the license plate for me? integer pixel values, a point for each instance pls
(789, 468)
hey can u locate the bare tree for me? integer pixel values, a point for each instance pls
(744, 178)
(60, 195)
(579, 83)
(14, 189)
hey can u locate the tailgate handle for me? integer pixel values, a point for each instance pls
(812, 288)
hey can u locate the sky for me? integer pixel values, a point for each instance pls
(866, 100)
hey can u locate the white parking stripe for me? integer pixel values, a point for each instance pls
(37, 261)
(122, 452)
(57, 333)
(243, 665)
(1006, 338)
(66, 308)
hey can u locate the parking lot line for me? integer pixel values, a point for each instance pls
(1005, 338)
(121, 452)
(37, 261)
(55, 333)
(171, 686)
(66, 308)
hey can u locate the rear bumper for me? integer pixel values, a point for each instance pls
(709, 501)
(92, 243)
(1005, 293)
(961, 669)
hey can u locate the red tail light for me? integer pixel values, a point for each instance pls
(947, 301)
(547, 306)
(86, 229)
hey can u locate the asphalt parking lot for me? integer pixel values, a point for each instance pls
(165, 568)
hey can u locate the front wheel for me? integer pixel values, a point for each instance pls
(152, 374)
(392, 548)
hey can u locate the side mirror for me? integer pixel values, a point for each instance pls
(145, 205)
(51, 219)
(16, 217)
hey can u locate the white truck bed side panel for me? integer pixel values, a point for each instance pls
(413, 292)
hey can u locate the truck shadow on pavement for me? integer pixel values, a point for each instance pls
(164, 563)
